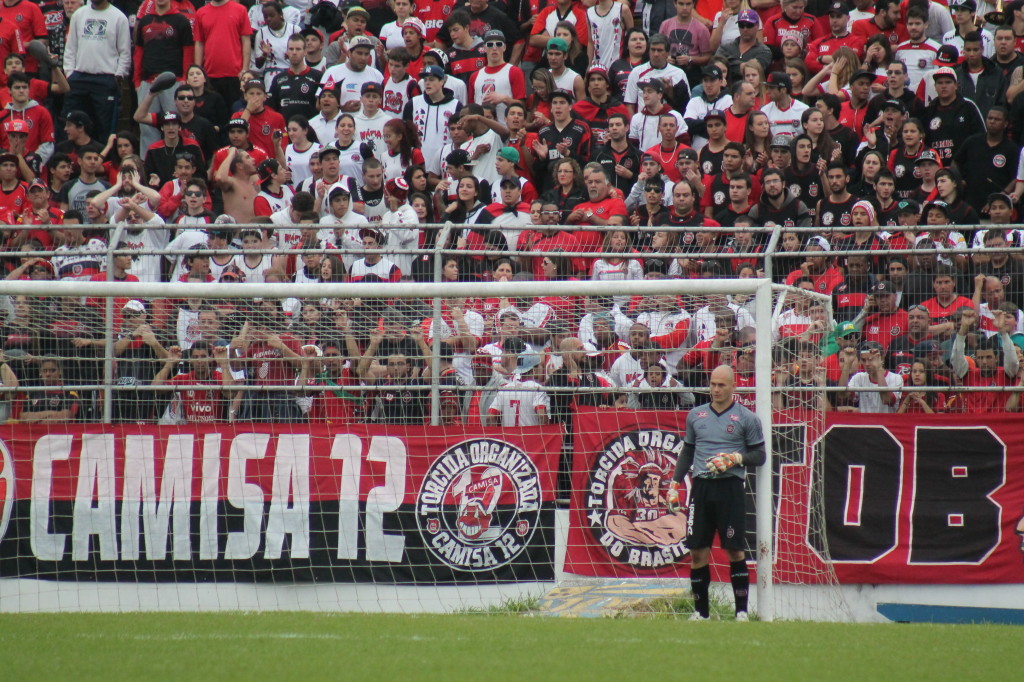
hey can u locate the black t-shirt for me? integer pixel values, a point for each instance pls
(163, 39)
(990, 169)
(293, 94)
(491, 18)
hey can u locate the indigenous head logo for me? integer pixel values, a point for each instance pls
(479, 504)
(6, 487)
(625, 502)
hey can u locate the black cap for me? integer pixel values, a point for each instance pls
(780, 79)
(1000, 196)
(908, 206)
(927, 155)
(688, 153)
(862, 74)
(715, 113)
(882, 287)
(237, 123)
(894, 104)
(781, 142)
(941, 205)
(965, 4)
(78, 118)
(711, 71)
(655, 84)
(947, 55)
(457, 157)
(563, 94)
(868, 346)
(371, 87)
(839, 8)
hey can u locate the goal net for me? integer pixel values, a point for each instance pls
(400, 446)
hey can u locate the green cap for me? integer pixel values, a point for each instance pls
(509, 154)
(558, 44)
(845, 329)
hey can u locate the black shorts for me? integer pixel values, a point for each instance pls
(717, 504)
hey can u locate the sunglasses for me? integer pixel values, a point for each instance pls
(744, 24)
(654, 189)
(185, 98)
(494, 43)
(193, 193)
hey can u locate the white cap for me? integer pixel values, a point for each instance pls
(136, 305)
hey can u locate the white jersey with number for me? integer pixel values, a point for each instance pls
(519, 402)
(785, 121)
(606, 33)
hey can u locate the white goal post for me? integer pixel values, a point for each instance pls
(761, 290)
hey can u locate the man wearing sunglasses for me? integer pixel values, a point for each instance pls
(499, 83)
(202, 132)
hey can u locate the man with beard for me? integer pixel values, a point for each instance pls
(777, 207)
(887, 322)
(950, 118)
(987, 371)
(903, 349)
(834, 211)
(989, 159)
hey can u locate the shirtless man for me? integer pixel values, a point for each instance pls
(237, 178)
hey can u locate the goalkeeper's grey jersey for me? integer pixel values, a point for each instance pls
(734, 430)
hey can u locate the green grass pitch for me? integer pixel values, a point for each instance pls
(268, 646)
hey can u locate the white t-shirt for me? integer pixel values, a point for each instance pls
(871, 401)
(520, 401)
(349, 82)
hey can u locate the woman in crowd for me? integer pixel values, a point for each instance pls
(922, 397)
(209, 104)
(872, 163)
(902, 159)
(877, 57)
(401, 148)
(538, 103)
(822, 145)
(351, 158)
(752, 72)
(803, 177)
(798, 74)
(303, 145)
(756, 139)
(568, 190)
(949, 188)
(120, 146)
(634, 54)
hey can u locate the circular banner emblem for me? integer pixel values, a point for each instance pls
(479, 504)
(625, 502)
(6, 487)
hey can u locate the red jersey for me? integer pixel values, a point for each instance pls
(780, 28)
(566, 241)
(26, 20)
(268, 365)
(823, 47)
(884, 327)
(199, 406)
(863, 29)
(433, 15)
(40, 126)
(14, 201)
(823, 283)
(220, 30)
(980, 401)
(261, 127)
(735, 125)
(10, 39)
(37, 90)
(853, 119)
(941, 313)
(745, 387)
(334, 405)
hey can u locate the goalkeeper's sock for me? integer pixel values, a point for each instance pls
(700, 582)
(740, 576)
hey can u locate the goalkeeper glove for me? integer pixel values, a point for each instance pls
(723, 461)
(672, 498)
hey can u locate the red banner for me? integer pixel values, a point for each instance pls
(899, 499)
(409, 504)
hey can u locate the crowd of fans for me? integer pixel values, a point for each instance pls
(305, 143)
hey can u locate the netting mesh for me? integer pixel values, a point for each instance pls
(365, 455)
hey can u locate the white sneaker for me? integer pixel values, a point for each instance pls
(696, 616)
(742, 617)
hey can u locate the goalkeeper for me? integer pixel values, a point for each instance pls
(722, 439)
